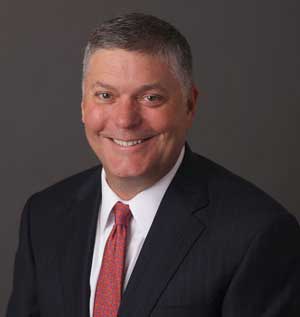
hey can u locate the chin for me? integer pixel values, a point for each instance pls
(129, 172)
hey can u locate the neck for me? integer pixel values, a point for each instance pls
(128, 188)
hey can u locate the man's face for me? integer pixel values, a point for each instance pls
(135, 115)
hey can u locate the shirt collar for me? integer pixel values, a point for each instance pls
(143, 206)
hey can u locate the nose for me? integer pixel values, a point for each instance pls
(127, 114)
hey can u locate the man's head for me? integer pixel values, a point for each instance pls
(137, 105)
(146, 34)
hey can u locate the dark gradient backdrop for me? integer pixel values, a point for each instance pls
(246, 64)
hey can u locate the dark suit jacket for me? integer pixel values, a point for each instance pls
(218, 246)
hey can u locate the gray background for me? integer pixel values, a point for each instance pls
(246, 64)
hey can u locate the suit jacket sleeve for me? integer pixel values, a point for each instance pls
(267, 281)
(23, 301)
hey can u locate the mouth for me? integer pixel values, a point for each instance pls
(130, 143)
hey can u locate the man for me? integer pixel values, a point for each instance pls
(156, 230)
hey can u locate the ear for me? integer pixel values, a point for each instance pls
(192, 101)
(82, 112)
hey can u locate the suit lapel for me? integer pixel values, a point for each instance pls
(77, 252)
(173, 232)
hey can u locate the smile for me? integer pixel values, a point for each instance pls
(127, 143)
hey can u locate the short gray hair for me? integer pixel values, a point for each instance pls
(146, 34)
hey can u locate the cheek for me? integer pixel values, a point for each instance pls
(160, 120)
(94, 119)
(169, 122)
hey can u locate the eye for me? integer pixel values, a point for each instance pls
(152, 99)
(103, 95)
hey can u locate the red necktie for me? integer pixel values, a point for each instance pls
(110, 281)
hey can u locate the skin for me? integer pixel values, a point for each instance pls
(134, 96)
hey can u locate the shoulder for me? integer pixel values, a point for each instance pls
(236, 204)
(62, 194)
(238, 214)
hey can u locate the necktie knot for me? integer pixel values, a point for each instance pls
(122, 214)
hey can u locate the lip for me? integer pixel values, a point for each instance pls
(145, 141)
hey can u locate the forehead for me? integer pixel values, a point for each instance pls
(130, 64)
(119, 54)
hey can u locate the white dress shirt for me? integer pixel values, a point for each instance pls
(143, 208)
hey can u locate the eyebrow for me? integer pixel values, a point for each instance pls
(101, 84)
(140, 89)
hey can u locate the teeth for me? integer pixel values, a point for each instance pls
(129, 143)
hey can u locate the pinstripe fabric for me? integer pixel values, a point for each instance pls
(110, 281)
